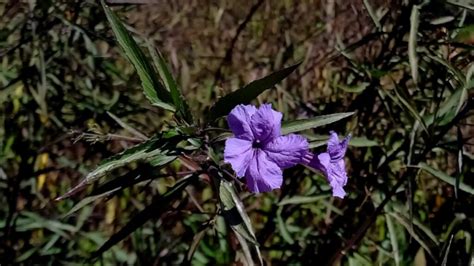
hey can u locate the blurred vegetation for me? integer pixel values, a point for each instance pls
(69, 98)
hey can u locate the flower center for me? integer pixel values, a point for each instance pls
(256, 144)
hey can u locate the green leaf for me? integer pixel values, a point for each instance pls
(417, 224)
(235, 214)
(302, 200)
(442, 20)
(446, 178)
(355, 88)
(127, 127)
(449, 108)
(468, 4)
(149, 150)
(195, 244)
(393, 239)
(282, 226)
(412, 42)
(303, 124)
(363, 142)
(460, 160)
(157, 150)
(84, 202)
(152, 88)
(408, 107)
(182, 107)
(234, 211)
(112, 187)
(419, 235)
(246, 94)
(34, 221)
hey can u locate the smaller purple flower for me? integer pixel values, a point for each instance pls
(258, 151)
(331, 163)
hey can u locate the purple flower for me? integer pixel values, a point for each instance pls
(331, 163)
(258, 151)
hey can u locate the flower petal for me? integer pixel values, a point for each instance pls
(266, 123)
(338, 191)
(263, 175)
(238, 153)
(334, 171)
(287, 151)
(337, 149)
(337, 178)
(320, 162)
(239, 121)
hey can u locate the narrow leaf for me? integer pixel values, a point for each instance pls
(393, 239)
(231, 204)
(372, 14)
(282, 226)
(355, 88)
(412, 110)
(152, 88)
(460, 161)
(246, 94)
(318, 121)
(182, 107)
(446, 252)
(416, 234)
(412, 42)
(146, 150)
(157, 151)
(302, 200)
(235, 213)
(195, 244)
(246, 250)
(363, 142)
(84, 202)
(127, 127)
(468, 4)
(446, 178)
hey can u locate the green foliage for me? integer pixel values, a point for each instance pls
(152, 87)
(318, 121)
(69, 100)
(249, 92)
(169, 82)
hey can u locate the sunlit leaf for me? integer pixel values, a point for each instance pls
(152, 87)
(318, 121)
(157, 150)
